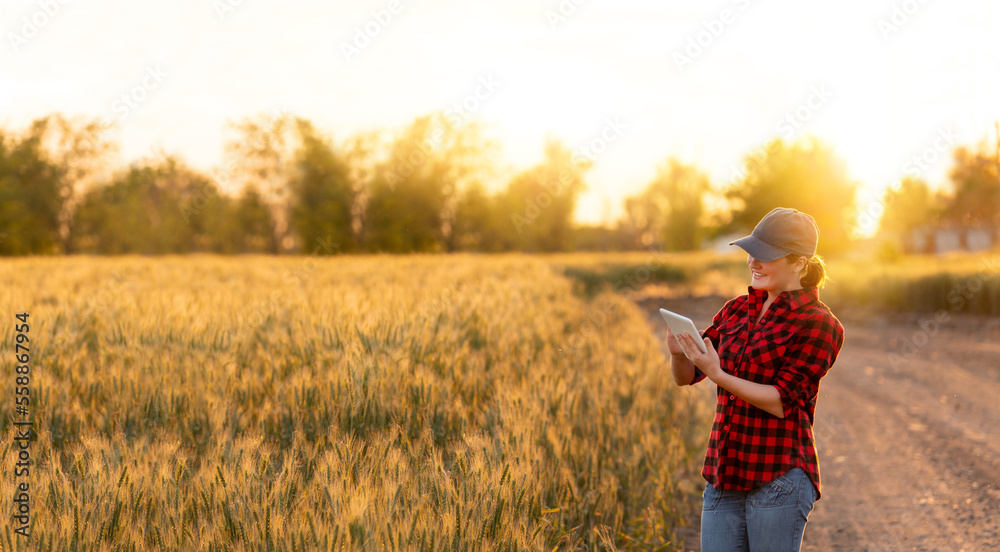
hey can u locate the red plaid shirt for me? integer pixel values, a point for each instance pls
(792, 348)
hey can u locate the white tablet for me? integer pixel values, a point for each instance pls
(680, 324)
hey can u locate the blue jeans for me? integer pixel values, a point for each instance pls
(770, 518)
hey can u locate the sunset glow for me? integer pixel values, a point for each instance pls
(707, 84)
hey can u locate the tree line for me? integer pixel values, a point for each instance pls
(915, 209)
(434, 186)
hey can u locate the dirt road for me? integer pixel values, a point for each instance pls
(908, 434)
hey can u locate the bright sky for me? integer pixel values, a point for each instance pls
(881, 81)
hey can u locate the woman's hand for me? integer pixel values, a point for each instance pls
(706, 362)
(672, 345)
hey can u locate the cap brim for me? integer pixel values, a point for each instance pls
(760, 249)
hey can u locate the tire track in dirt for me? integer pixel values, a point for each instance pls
(906, 458)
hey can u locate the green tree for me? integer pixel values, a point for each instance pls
(539, 202)
(155, 207)
(476, 225)
(805, 175)
(411, 197)
(39, 168)
(262, 155)
(671, 208)
(323, 196)
(909, 208)
(32, 193)
(975, 176)
(255, 227)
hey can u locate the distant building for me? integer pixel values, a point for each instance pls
(942, 239)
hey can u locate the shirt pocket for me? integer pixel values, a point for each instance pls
(732, 338)
(766, 352)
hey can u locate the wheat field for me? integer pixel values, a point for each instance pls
(423, 403)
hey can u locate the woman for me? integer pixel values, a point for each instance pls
(767, 351)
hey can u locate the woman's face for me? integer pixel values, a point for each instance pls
(775, 276)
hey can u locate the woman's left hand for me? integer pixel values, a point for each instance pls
(707, 362)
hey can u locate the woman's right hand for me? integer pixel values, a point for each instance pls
(682, 367)
(672, 344)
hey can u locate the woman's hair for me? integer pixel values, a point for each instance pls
(814, 273)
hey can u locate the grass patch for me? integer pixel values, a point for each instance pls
(957, 283)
